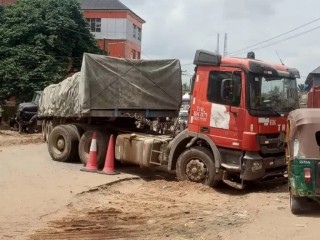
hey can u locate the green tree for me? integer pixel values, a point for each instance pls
(185, 88)
(301, 87)
(1, 12)
(41, 41)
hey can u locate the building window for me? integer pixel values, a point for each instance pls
(214, 88)
(95, 24)
(138, 55)
(139, 33)
(134, 31)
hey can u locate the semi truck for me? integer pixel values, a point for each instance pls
(236, 126)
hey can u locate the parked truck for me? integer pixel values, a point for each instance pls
(236, 127)
(25, 119)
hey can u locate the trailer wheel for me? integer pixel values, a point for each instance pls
(44, 130)
(295, 204)
(75, 135)
(196, 164)
(84, 146)
(62, 145)
(48, 129)
(75, 131)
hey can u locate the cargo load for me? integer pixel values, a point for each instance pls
(105, 86)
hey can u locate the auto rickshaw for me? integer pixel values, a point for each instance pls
(303, 156)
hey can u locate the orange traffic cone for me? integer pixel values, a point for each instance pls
(92, 163)
(109, 162)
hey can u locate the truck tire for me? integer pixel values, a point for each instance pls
(102, 145)
(44, 130)
(62, 144)
(48, 129)
(75, 135)
(33, 127)
(196, 164)
(20, 127)
(75, 131)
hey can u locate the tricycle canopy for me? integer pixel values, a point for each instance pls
(303, 133)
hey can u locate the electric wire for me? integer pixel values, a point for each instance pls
(280, 41)
(275, 37)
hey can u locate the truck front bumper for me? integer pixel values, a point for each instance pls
(254, 167)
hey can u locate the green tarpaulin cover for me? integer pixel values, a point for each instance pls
(107, 83)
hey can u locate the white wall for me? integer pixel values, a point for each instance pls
(117, 28)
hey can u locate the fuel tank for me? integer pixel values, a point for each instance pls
(142, 149)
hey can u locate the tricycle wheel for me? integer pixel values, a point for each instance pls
(295, 204)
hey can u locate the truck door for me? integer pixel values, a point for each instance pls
(219, 110)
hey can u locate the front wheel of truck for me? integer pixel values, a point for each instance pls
(196, 164)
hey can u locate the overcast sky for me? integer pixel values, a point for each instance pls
(177, 28)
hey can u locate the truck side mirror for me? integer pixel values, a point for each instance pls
(227, 90)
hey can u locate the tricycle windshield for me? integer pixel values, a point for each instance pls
(273, 95)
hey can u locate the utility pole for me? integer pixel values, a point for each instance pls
(225, 50)
(218, 43)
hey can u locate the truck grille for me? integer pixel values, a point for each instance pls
(271, 143)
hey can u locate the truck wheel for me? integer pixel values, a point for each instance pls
(48, 128)
(76, 131)
(44, 130)
(197, 165)
(102, 145)
(33, 128)
(20, 128)
(62, 145)
(295, 204)
(75, 135)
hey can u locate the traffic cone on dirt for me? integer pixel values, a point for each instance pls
(109, 162)
(92, 163)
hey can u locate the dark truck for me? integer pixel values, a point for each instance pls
(25, 119)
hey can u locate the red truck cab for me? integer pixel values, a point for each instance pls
(237, 118)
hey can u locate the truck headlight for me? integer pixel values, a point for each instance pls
(256, 165)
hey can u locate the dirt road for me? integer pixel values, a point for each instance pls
(43, 195)
(164, 209)
(33, 186)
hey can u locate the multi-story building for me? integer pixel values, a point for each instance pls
(117, 28)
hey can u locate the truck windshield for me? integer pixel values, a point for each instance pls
(273, 95)
(36, 98)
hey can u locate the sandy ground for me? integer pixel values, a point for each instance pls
(9, 138)
(33, 186)
(162, 209)
(42, 199)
